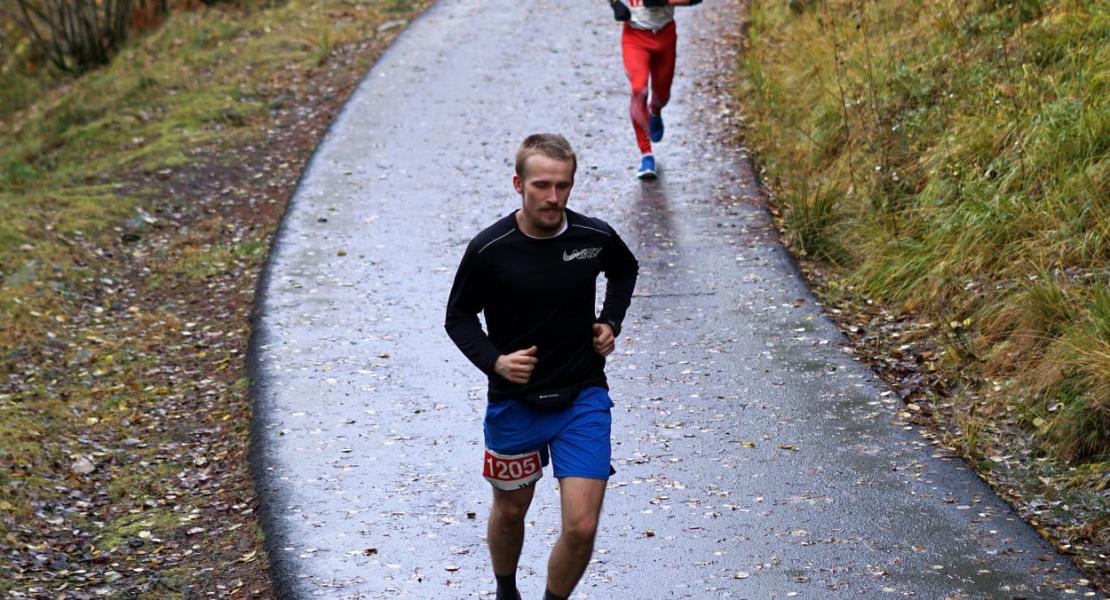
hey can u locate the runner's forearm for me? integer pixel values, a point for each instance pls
(463, 305)
(468, 335)
(621, 270)
(618, 296)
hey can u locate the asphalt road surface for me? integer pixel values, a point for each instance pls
(754, 457)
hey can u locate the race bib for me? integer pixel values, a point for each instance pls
(512, 471)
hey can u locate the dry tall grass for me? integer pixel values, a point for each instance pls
(952, 158)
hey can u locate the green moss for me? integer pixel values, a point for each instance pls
(159, 522)
(198, 264)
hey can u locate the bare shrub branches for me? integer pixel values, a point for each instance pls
(75, 35)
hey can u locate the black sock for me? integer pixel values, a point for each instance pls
(547, 595)
(506, 587)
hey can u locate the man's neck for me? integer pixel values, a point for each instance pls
(540, 234)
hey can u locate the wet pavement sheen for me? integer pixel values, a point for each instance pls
(755, 458)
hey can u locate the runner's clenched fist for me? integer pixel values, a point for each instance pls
(604, 342)
(518, 366)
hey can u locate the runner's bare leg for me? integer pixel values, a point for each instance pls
(505, 531)
(581, 501)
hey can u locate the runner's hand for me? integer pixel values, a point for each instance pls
(604, 341)
(620, 11)
(518, 366)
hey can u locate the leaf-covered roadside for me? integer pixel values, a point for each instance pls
(955, 224)
(123, 394)
(1067, 506)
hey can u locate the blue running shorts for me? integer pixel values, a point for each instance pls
(575, 439)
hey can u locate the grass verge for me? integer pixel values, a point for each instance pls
(136, 204)
(949, 162)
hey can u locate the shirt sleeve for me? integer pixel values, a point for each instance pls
(463, 306)
(621, 269)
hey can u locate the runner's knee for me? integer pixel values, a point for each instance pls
(509, 509)
(582, 530)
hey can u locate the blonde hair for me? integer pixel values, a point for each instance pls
(551, 145)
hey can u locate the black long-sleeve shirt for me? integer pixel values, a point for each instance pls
(540, 292)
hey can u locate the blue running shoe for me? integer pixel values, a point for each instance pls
(647, 167)
(655, 127)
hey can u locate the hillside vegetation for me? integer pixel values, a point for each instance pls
(950, 162)
(137, 203)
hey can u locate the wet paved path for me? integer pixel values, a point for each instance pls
(755, 458)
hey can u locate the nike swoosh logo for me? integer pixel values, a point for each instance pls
(581, 254)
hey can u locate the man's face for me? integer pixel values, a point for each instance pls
(545, 189)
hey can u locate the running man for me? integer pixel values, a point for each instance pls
(648, 43)
(534, 273)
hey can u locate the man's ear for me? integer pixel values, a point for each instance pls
(518, 184)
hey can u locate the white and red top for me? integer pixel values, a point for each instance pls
(649, 19)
